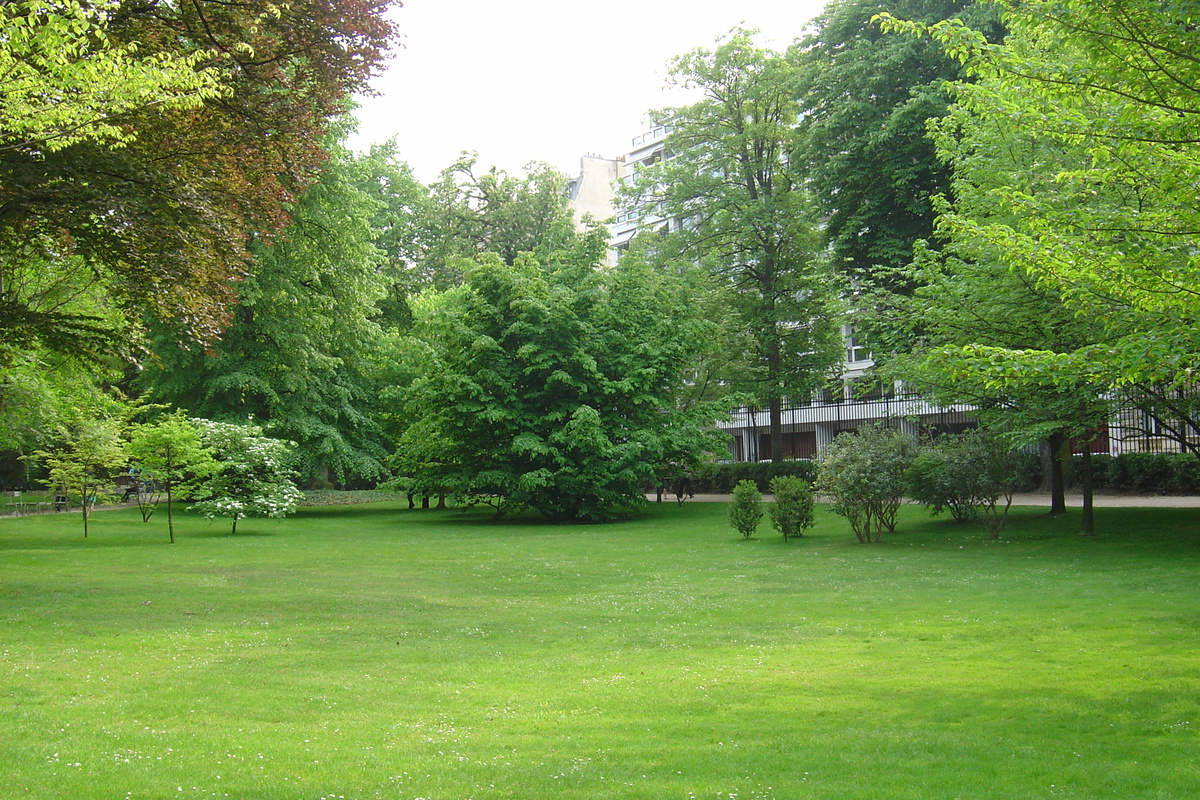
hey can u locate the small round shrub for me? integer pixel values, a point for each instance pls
(745, 508)
(792, 511)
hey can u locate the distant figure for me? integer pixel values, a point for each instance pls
(683, 486)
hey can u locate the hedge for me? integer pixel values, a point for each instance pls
(721, 478)
(1144, 473)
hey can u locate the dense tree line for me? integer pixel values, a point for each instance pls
(997, 196)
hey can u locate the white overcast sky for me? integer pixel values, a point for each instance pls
(546, 80)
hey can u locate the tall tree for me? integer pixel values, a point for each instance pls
(472, 212)
(296, 355)
(745, 215)
(1103, 94)
(551, 387)
(866, 99)
(163, 223)
(1111, 83)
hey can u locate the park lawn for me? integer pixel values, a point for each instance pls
(371, 651)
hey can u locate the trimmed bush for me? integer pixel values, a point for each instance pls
(863, 475)
(721, 478)
(967, 474)
(1146, 473)
(745, 508)
(792, 511)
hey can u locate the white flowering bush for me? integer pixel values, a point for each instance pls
(252, 478)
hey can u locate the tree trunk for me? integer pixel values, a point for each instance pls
(170, 520)
(776, 413)
(1054, 467)
(1086, 479)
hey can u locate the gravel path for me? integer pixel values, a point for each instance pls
(1074, 500)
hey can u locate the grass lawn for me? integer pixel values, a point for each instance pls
(370, 651)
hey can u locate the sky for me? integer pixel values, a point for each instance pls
(545, 80)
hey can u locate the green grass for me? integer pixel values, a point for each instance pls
(370, 651)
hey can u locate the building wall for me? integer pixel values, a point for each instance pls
(593, 192)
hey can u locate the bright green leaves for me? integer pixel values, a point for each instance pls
(64, 81)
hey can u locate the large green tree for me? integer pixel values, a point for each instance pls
(1072, 150)
(553, 387)
(162, 223)
(296, 354)
(1111, 83)
(861, 144)
(730, 180)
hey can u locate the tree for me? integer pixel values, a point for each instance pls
(861, 144)
(162, 223)
(1111, 83)
(1100, 92)
(250, 478)
(169, 453)
(730, 181)
(296, 355)
(65, 81)
(863, 475)
(554, 388)
(91, 452)
(491, 212)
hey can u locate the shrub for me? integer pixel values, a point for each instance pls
(967, 474)
(1163, 473)
(930, 481)
(745, 508)
(721, 478)
(792, 510)
(863, 475)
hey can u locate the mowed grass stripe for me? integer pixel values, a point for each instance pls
(372, 651)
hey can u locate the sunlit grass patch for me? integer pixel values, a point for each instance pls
(372, 651)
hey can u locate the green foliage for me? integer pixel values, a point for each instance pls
(721, 478)
(967, 474)
(468, 214)
(749, 220)
(169, 453)
(867, 99)
(296, 355)
(745, 509)
(1148, 473)
(90, 453)
(1106, 88)
(554, 388)
(250, 477)
(66, 80)
(792, 511)
(133, 155)
(862, 473)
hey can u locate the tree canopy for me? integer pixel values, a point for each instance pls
(739, 206)
(553, 387)
(861, 144)
(162, 224)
